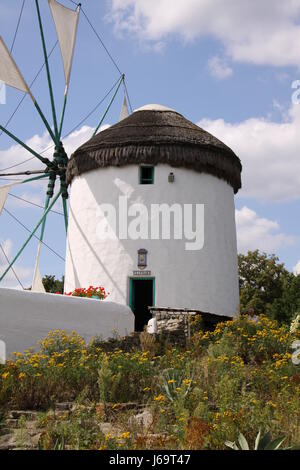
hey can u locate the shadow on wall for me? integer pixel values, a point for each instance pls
(116, 287)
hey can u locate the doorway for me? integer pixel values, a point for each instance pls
(141, 296)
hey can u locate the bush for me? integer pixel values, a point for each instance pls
(237, 379)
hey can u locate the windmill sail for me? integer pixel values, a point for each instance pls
(9, 72)
(124, 111)
(66, 23)
(4, 190)
(37, 283)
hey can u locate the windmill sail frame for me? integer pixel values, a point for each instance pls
(55, 168)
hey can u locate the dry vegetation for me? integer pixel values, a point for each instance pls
(239, 378)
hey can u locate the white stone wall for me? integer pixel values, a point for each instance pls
(26, 317)
(206, 280)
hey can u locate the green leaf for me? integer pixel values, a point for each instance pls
(243, 442)
(257, 440)
(274, 445)
(264, 441)
(231, 445)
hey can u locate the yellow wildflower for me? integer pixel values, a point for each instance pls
(159, 398)
(187, 381)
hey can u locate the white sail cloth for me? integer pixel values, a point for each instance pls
(4, 190)
(66, 23)
(37, 283)
(124, 111)
(9, 71)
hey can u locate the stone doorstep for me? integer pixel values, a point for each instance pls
(171, 322)
(173, 315)
(174, 330)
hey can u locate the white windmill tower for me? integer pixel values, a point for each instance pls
(155, 159)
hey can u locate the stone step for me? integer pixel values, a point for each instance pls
(28, 414)
(64, 406)
(12, 423)
(7, 442)
(4, 430)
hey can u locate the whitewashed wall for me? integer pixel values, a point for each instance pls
(26, 317)
(205, 279)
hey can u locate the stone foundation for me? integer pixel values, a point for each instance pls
(175, 327)
(175, 319)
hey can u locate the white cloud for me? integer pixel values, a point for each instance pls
(296, 269)
(254, 232)
(264, 32)
(269, 152)
(16, 154)
(23, 273)
(29, 196)
(219, 68)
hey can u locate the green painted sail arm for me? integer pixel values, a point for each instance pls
(109, 106)
(53, 137)
(48, 72)
(47, 202)
(65, 212)
(31, 235)
(63, 113)
(35, 178)
(29, 149)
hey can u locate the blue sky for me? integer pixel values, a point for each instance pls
(228, 66)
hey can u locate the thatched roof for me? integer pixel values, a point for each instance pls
(155, 136)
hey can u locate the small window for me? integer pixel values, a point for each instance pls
(146, 174)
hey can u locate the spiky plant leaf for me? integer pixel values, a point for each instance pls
(243, 442)
(264, 441)
(274, 445)
(257, 440)
(231, 445)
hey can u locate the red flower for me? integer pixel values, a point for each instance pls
(90, 292)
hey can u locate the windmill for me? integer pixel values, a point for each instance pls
(66, 25)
